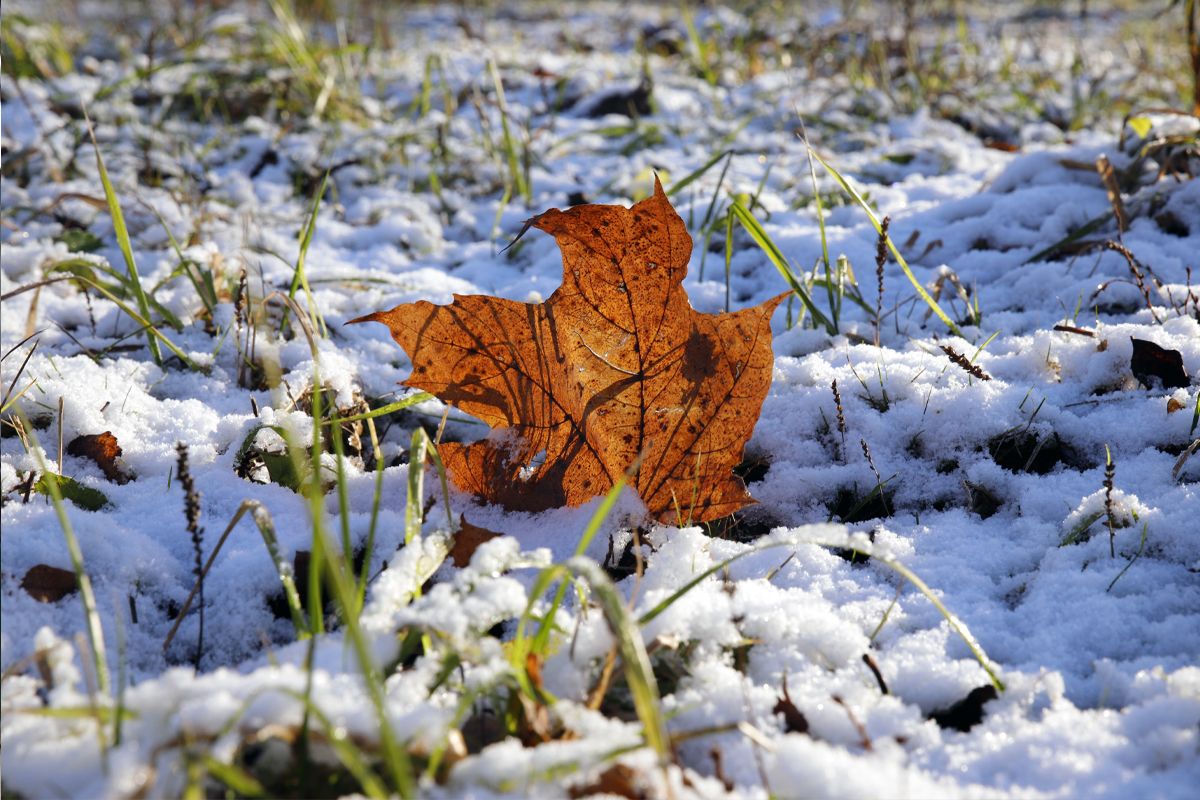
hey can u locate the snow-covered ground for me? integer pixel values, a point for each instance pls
(1085, 599)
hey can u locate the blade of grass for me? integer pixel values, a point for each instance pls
(142, 320)
(266, 528)
(414, 509)
(299, 276)
(344, 591)
(124, 243)
(908, 273)
(760, 236)
(87, 597)
(639, 675)
(691, 177)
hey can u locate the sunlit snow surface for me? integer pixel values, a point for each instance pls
(1103, 682)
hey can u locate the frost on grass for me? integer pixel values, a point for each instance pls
(1080, 588)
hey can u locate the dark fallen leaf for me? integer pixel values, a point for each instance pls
(82, 496)
(617, 780)
(966, 713)
(1151, 363)
(793, 720)
(632, 103)
(48, 584)
(103, 449)
(467, 541)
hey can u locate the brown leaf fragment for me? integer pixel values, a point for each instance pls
(616, 781)
(48, 584)
(103, 449)
(467, 541)
(1152, 364)
(966, 713)
(613, 367)
(794, 720)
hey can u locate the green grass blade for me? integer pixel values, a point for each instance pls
(299, 276)
(635, 661)
(691, 177)
(125, 244)
(908, 273)
(87, 597)
(142, 320)
(414, 509)
(764, 241)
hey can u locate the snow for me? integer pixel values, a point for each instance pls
(1094, 633)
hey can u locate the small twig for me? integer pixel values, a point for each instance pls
(1139, 273)
(1073, 329)
(864, 739)
(872, 665)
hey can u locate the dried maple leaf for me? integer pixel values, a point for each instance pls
(103, 449)
(614, 367)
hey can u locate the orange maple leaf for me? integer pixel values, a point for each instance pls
(615, 367)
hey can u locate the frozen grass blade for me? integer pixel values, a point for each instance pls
(542, 638)
(908, 273)
(376, 499)
(694, 175)
(125, 245)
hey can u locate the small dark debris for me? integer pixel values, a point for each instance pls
(855, 557)
(632, 103)
(743, 526)
(851, 506)
(753, 468)
(662, 40)
(616, 781)
(947, 466)
(981, 500)
(620, 566)
(577, 198)
(1021, 450)
(794, 720)
(966, 713)
(1153, 366)
(1172, 225)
